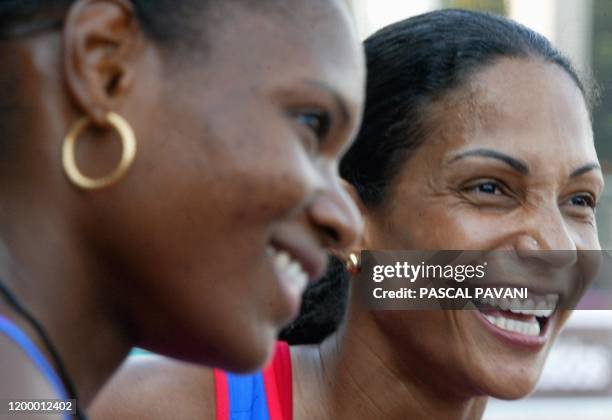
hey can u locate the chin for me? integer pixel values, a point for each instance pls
(511, 386)
(504, 363)
(249, 353)
(240, 349)
(510, 394)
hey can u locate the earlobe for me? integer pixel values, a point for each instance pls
(100, 41)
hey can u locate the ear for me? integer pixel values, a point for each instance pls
(101, 39)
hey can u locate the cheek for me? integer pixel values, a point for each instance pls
(276, 188)
(563, 317)
(441, 226)
(584, 235)
(201, 205)
(244, 176)
(219, 200)
(440, 341)
(425, 339)
(491, 367)
(265, 174)
(241, 157)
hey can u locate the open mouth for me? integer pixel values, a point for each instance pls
(527, 317)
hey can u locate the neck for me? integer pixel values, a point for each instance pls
(362, 375)
(49, 272)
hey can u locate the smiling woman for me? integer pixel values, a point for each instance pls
(169, 179)
(484, 141)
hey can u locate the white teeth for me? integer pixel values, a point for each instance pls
(282, 260)
(500, 322)
(551, 301)
(542, 311)
(294, 268)
(531, 328)
(287, 267)
(538, 306)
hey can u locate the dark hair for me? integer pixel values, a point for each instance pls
(312, 326)
(165, 21)
(411, 65)
(172, 25)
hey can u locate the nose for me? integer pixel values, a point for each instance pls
(337, 218)
(546, 238)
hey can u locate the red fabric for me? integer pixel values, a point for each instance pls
(221, 395)
(279, 384)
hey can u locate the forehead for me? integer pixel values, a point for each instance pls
(297, 40)
(526, 107)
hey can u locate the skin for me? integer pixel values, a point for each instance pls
(233, 156)
(386, 364)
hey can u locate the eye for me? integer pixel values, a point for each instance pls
(318, 122)
(488, 193)
(583, 200)
(486, 187)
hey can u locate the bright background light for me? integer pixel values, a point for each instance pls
(562, 21)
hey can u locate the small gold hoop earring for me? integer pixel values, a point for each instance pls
(128, 142)
(353, 263)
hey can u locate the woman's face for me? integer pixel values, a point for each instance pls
(509, 164)
(234, 194)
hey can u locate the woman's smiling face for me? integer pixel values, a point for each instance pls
(509, 163)
(235, 194)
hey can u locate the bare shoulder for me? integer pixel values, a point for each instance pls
(156, 387)
(20, 378)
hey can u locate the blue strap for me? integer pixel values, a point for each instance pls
(247, 397)
(29, 348)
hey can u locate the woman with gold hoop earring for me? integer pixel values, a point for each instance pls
(151, 195)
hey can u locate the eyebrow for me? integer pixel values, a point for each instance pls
(516, 164)
(584, 169)
(519, 165)
(340, 102)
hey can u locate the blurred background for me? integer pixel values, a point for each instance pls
(577, 381)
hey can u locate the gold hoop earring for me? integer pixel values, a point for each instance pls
(353, 263)
(128, 142)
